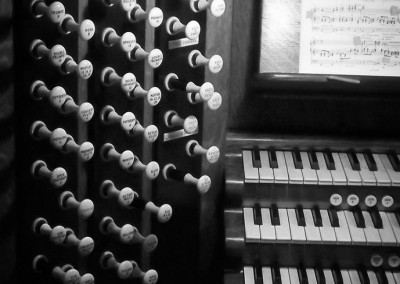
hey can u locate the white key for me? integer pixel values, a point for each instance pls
(395, 226)
(267, 275)
(394, 176)
(248, 272)
(252, 231)
(371, 233)
(324, 175)
(296, 231)
(328, 276)
(281, 174)
(372, 277)
(353, 177)
(355, 278)
(387, 236)
(309, 175)
(250, 172)
(367, 177)
(342, 232)
(295, 175)
(285, 278)
(328, 234)
(312, 232)
(338, 175)
(293, 275)
(382, 178)
(266, 172)
(312, 278)
(390, 278)
(396, 276)
(357, 234)
(345, 276)
(283, 230)
(267, 230)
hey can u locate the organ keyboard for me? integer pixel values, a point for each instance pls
(304, 202)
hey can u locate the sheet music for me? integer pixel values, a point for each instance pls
(353, 37)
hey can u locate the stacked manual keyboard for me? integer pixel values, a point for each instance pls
(312, 208)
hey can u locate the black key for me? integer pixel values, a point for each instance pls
(330, 163)
(381, 276)
(258, 275)
(302, 275)
(370, 162)
(316, 216)
(313, 160)
(362, 273)
(337, 276)
(275, 221)
(256, 158)
(273, 161)
(257, 214)
(298, 163)
(376, 217)
(276, 275)
(358, 216)
(394, 160)
(319, 274)
(354, 162)
(333, 217)
(301, 221)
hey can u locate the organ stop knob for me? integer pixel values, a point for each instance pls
(214, 63)
(83, 111)
(57, 177)
(55, 11)
(126, 5)
(83, 69)
(56, 54)
(150, 133)
(56, 96)
(110, 77)
(84, 208)
(57, 137)
(151, 170)
(126, 42)
(148, 277)
(123, 269)
(189, 124)
(193, 148)
(108, 115)
(191, 30)
(172, 82)
(154, 57)
(153, 95)
(84, 246)
(85, 29)
(154, 16)
(125, 159)
(41, 227)
(123, 196)
(202, 184)
(217, 7)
